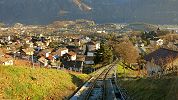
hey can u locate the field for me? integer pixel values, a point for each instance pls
(164, 88)
(26, 83)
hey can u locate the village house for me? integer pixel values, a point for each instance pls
(175, 41)
(43, 61)
(27, 53)
(80, 58)
(26, 40)
(139, 44)
(51, 58)
(73, 65)
(67, 40)
(93, 46)
(45, 52)
(47, 42)
(40, 45)
(31, 45)
(6, 60)
(89, 60)
(171, 46)
(54, 61)
(72, 55)
(55, 64)
(61, 51)
(77, 42)
(156, 41)
(161, 59)
(2, 52)
(91, 54)
(72, 47)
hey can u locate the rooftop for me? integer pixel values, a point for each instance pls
(71, 53)
(162, 56)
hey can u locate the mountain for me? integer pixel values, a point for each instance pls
(101, 11)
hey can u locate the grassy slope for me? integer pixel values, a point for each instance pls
(22, 83)
(152, 89)
(121, 72)
(165, 88)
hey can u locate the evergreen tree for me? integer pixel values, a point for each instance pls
(104, 55)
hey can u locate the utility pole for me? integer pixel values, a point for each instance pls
(32, 61)
(124, 72)
(31, 53)
(115, 74)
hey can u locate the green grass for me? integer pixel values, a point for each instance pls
(165, 88)
(125, 72)
(26, 83)
(141, 88)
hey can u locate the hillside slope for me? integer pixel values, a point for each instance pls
(37, 84)
(165, 88)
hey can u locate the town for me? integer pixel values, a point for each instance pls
(72, 44)
(59, 45)
(83, 46)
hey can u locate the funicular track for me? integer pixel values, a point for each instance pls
(97, 90)
(102, 86)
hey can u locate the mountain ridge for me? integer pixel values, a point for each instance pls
(103, 11)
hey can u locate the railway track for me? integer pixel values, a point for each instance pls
(97, 91)
(100, 87)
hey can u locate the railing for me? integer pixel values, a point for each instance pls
(123, 97)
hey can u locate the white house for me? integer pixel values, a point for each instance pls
(92, 46)
(158, 42)
(62, 51)
(97, 45)
(73, 55)
(6, 61)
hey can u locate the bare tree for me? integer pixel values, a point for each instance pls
(162, 65)
(127, 52)
(170, 62)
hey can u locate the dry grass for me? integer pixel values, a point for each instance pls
(22, 63)
(165, 88)
(26, 83)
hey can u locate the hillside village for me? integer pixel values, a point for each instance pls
(33, 53)
(39, 51)
(70, 51)
(72, 45)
